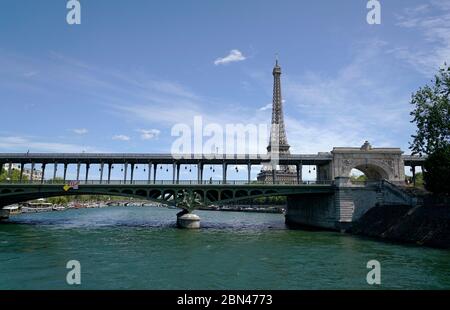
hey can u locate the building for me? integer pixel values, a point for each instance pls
(278, 144)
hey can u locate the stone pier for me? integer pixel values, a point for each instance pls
(339, 210)
(188, 220)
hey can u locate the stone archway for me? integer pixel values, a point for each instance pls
(375, 163)
(372, 172)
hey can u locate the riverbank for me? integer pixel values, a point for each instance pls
(427, 225)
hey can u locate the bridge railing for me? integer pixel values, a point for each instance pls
(165, 182)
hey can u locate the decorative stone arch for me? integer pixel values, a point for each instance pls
(374, 170)
(375, 163)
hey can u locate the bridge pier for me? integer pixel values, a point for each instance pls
(188, 220)
(344, 206)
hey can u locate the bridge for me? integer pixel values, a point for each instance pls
(168, 192)
(330, 201)
(376, 163)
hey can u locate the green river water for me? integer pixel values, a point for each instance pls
(140, 248)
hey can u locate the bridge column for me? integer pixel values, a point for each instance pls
(10, 171)
(43, 173)
(178, 173)
(55, 170)
(299, 173)
(149, 172)
(1, 168)
(65, 171)
(109, 172)
(413, 168)
(249, 172)
(87, 172)
(274, 168)
(132, 173)
(21, 172)
(78, 171)
(155, 168)
(125, 171)
(174, 167)
(224, 173)
(200, 173)
(32, 172)
(101, 172)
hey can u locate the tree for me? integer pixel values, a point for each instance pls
(437, 171)
(15, 176)
(432, 116)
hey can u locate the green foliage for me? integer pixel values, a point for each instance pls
(271, 200)
(432, 115)
(15, 175)
(360, 178)
(437, 171)
(419, 179)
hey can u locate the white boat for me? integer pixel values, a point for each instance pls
(58, 208)
(14, 209)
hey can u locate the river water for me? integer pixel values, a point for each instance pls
(140, 248)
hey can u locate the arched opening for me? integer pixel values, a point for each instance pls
(226, 194)
(141, 192)
(241, 193)
(212, 195)
(169, 195)
(367, 172)
(154, 194)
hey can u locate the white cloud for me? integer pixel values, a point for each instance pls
(432, 22)
(24, 144)
(80, 131)
(149, 134)
(234, 56)
(350, 106)
(121, 138)
(266, 107)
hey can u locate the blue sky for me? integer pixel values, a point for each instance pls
(119, 81)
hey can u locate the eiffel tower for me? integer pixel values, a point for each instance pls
(278, 143)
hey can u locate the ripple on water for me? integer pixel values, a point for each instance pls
(141, 248)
